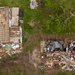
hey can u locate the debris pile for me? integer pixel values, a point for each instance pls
(56, 54)
(10, 49)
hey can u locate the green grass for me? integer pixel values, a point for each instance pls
(61, 73)
(58, 21)
(66, 73)
(1, 72)
(41, 72)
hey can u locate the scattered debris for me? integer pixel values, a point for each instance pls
(33, 4)
(55, 54)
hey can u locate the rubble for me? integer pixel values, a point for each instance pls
(10, 31)
(56, 53)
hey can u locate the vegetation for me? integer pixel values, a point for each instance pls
(66, 73)
(59, 18)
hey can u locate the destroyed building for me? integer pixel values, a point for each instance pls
(10, 31)
(56, 54)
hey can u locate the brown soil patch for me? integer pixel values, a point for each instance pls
(32, 23)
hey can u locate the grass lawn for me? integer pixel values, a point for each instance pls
(66, 73)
